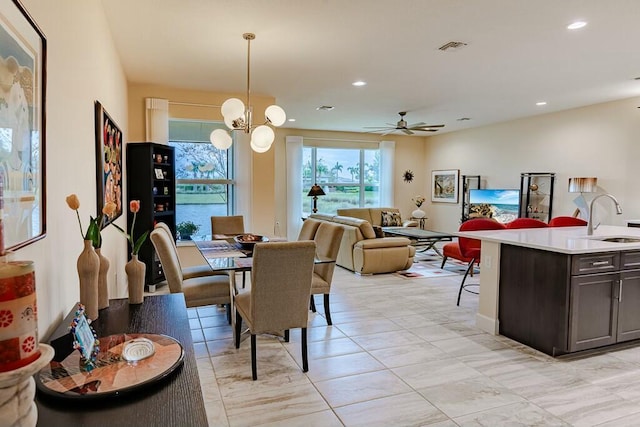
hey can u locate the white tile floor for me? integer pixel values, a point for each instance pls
(400, 353)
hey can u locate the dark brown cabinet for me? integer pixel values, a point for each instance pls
(151, 179)
(559, 303)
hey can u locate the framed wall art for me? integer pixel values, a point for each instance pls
(108, 163)
(444, 187)
(23, 56)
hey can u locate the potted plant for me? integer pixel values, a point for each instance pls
(186, 229)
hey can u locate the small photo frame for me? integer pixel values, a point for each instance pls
(84, 338)
(444, 187)
(159, 174)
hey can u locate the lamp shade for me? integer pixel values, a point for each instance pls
(232, 108)
(275, 115)
(220, 139)
(583, 185)
(316, 190)
(262, 136)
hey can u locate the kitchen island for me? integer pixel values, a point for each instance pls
(559, 290)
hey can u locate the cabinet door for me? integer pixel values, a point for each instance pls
(629, 301)
(593, 312)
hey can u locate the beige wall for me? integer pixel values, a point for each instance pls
(82, 67)
(600, 140)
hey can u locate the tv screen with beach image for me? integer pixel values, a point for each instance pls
(501, 205)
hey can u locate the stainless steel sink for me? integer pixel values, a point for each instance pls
(618, 239)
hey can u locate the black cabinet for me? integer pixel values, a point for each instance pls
(151, 179)
(536, 195)
(469, 182)
(559, 303)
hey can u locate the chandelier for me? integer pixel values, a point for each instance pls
(237, 117)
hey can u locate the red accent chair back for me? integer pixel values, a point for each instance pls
(566, 221)
(470, 248)
(526, 223)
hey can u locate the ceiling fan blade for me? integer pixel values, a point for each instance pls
(378, 127)
(418, 125)
(407, 131)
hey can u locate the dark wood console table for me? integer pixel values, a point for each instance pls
(175, 401)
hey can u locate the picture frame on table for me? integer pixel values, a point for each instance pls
(109, 147)
(23, 59)
(159, 173)
(445, 185)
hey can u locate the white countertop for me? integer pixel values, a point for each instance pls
(568, 240)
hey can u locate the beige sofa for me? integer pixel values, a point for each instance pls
(373, 215)
(363, 253)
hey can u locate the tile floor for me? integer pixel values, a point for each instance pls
(400, 353)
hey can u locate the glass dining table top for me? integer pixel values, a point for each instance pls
(226, 254)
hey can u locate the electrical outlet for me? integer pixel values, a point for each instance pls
(487, 261)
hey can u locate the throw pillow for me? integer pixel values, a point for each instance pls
(379, 232)
(391, 219)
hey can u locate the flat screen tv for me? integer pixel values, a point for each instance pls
(499, 204)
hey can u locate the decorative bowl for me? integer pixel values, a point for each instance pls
(246, 241)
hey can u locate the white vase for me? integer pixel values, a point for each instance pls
(135, 270)
(418, 213)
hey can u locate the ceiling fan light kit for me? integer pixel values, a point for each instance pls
(238, 117)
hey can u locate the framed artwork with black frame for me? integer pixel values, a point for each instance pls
(23, 58)
(108, 163)
(444, 185)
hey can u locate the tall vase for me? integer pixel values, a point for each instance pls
(135, 270)
(103, 290)
(88, 270)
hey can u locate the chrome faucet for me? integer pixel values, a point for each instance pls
(590, 223)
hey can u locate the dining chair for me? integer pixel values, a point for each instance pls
(470, 248)
(279, 296)
(198, 291)
(309, 228)
(328, 237)
(566, 221)
(228, 225)
(526, 223)
(187, 272)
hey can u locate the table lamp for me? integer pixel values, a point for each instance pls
(582, 185)
(315, 191)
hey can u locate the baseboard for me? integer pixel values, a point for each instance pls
(488, 324)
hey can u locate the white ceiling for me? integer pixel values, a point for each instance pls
(308, 52)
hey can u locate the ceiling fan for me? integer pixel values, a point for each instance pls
(402, 126)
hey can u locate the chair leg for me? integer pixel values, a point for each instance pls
(444, 259)
(244, 278)
(305, 362)
(327, 313)
(286, 335)
(238, 328)
(466, 273)
(312, 304)
(229, 313)
(254, 363)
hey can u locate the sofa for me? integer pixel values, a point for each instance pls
(374, 215)
(364, 253)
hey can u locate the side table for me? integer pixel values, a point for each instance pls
(420, 221)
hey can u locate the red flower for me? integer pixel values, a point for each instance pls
(134, 206)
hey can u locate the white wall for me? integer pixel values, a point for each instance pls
(601, 140)
(82, 67)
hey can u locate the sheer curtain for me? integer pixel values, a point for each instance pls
(294, 186)
(387, 172)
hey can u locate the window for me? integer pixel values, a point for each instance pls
(350, 178)
(205, 183)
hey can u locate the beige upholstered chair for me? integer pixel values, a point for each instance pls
(328, 237)
(188, 272)
(197, 291)
(279, 296)
(308, 230)
(228, 225)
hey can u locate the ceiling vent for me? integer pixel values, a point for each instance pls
(452, 46)
(325, 108)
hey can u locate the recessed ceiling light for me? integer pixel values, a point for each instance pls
(541, 103)
(292, 120)
(359, 83)
(576, 25)
(325, 108)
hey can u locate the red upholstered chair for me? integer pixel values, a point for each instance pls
(526, 223)
(470, 248)
(452, 250)
(566, 221)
